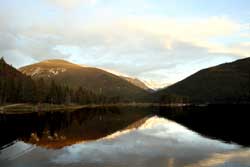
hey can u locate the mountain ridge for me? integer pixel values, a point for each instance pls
(224, 83)
(90, 78)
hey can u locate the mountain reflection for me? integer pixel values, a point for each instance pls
(225, 122)
(156, 141)
(59, 129)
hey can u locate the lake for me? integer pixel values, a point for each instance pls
(208, 136)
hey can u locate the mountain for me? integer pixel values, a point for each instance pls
(134, 81)
(155, 86)
(225, 83)
(93, 79)
(137, 82)
(14, 86)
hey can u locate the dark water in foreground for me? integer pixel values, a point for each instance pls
(212, 136)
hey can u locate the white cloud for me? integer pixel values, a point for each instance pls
(155, 49)
(197, 31)
(220, 159)
(70, 4)
(16, 58)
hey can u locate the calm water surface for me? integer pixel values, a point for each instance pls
(213, 136)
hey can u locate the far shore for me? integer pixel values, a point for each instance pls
(22, 108)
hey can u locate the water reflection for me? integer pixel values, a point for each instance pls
(59, 129)
(156, 142)
(127, 137)
(229, 123)
(234, 158)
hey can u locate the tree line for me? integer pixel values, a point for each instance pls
(41, 91)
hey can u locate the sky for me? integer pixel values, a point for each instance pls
(158, 41)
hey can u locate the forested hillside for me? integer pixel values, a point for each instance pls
(16, 87)
(225, 83)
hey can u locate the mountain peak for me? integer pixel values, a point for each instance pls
(48, 68)
(57, 61)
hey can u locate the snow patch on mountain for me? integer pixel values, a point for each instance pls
(56, 71)
(155, 85)
(44, 71)
(36, 71)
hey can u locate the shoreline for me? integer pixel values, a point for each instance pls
(23, 108)
(27, 108)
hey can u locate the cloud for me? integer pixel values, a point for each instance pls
(198, 32)
(16, 58)
(245, 35)
(70, 4)
(7, 41)
(155, 49)
(220, 159)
